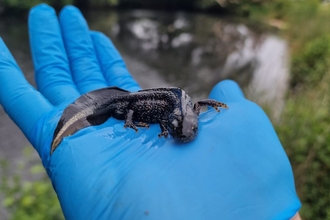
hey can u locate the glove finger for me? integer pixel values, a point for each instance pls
(227, 91)
(112, 64)
(20, 100)
(85, 68)
(51, 64)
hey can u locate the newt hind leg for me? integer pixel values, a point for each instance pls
(130, 124)
(129, 121)
(142, 125)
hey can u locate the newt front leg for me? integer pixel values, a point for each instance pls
(163, 128)
(209, 102)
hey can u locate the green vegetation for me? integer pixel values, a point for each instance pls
(27, 200)
(304, 132)
(305, 125)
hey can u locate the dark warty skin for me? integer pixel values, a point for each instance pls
(170, 107)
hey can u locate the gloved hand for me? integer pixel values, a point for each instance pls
(235, 169)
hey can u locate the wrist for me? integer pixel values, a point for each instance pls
(296, 217)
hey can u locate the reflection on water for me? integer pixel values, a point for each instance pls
(271, 76)
(191, 51)
(195, 51)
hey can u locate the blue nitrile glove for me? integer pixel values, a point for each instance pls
(235, 169)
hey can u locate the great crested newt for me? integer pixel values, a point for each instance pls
(170, 107)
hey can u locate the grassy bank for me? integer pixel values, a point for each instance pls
(26, 200)
(304, 132)
(305, 125)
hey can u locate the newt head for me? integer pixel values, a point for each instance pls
(183, 122)
(184, 128)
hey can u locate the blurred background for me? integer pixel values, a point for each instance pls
(277, 50)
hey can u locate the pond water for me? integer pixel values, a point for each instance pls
(188, 50)
(196, 51)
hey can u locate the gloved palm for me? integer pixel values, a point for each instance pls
(235, 169)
